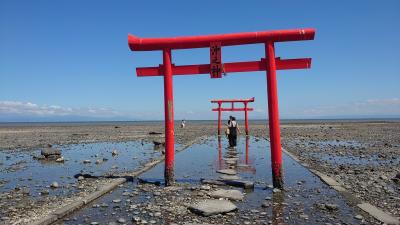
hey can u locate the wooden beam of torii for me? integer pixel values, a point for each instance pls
(245, 109)
(216, 68)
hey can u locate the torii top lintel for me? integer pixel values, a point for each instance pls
(216, 67)
(151, 44)
(233, 109)
(232, 100)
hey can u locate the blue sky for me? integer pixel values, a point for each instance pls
(62, 60)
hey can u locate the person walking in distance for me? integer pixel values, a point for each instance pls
(233, 131)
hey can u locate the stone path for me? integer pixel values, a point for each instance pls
(229, 177)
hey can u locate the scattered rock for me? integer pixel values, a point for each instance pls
(304, 216)
(121, 220)
(331, 207)
(229, 194)
(60, 160)
(117, 200)
(276, 190)
(39, 157)
(46, 152)
(45, 192)
(212, 207)
(269, 186)
(114, 153)
(359, 217)
(266, 204)
(193, 224)
(136, 219)
(158, 143)
(396, 179)
(145, 181)
(25, 191)
(205, 187)
(54, 185)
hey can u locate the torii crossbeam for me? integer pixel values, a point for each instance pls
(245, 109)
(216, 68)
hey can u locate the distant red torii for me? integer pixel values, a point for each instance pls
(245, 109)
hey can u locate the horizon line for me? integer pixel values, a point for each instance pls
(391, 118)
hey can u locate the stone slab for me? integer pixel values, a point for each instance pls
(240, 183)
(229, 177)
(378, 214)
(227, 171)
(229, 194)
(212, 207)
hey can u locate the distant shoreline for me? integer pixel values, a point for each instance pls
(198, 121)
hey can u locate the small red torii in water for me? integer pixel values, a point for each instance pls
(245, 109)
(216, 68)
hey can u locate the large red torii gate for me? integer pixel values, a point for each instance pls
(270, 64)
(245, 109)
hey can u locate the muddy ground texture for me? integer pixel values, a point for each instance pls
(24, 204)
(363, 156)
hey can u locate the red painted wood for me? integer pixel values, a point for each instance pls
(233, 67)
(150, 44)
(273, 117)
(216, 68)
(169, 119)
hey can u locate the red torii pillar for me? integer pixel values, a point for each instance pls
(233, 109)
(216, 68)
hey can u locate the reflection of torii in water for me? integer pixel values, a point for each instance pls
(246, 162)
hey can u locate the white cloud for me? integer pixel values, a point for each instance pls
(370, 107)
(17, 108)
(9, 110)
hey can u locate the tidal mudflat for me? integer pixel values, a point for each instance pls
(361, 155)
(305, 199)
(32, 184)
(364, 156)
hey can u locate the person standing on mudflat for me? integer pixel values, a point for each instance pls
(233, 131)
